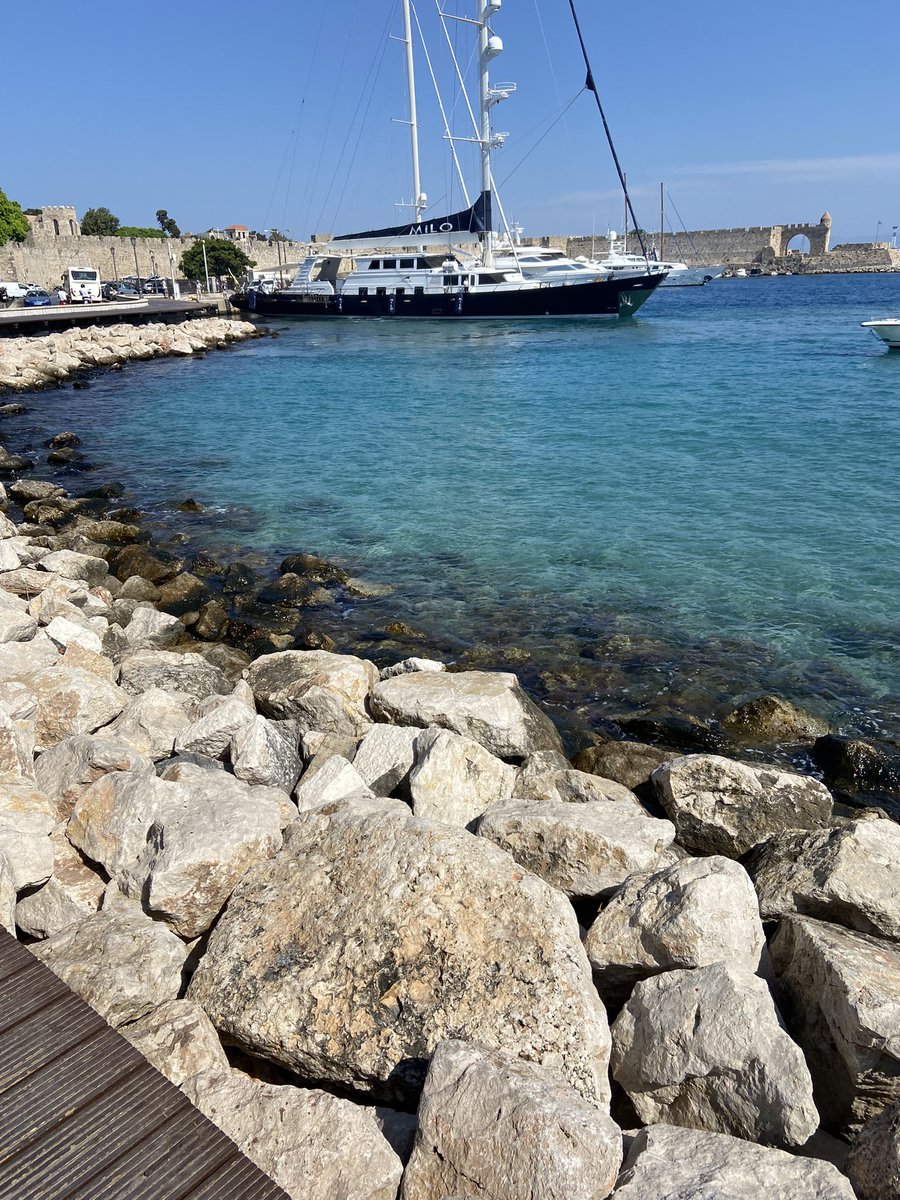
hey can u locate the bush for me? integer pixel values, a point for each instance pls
(222, 256)
(99, 222)
(14, 224)
(135, 231)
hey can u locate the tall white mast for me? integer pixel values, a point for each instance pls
(486, 52)
(419, 199)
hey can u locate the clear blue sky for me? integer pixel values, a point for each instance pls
(281, 113)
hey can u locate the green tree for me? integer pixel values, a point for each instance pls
(99, 222)
(13, 222)
(167, 224)
(222, 257)
(139, 231)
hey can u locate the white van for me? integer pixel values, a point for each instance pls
(14, 291)
(82, 284)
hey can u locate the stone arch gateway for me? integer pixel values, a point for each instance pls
(817, 236)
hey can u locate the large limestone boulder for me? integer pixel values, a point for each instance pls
(16, 740)
(150, 629)
(314, 1145)
(705, 1049)
(874, 1162)
(211, 733)
(488, 706)
(848, 876)
(7, 896)
(454, 779)
(151, 722)
(179, 848)
(585, 849)
(562, 782)
(841, 996)
(725, 807)
(491, 1124)
(333, 780)
(374, 935)
(71, 894)
(179, 1039)
(121, 963)
(71, 565)
(70, 702)
(691, 914)
(322, 691)
(69, 768)
(385, 757)
(173, 672)
(668, 1163)
(27, 818)
(266, 752)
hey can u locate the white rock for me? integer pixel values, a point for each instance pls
(724, 807)
(412, 664)
(123, 965)
(20, 661)
(64, 632)
(585, 849)
(151, 723)
(26, 820)
(150, 629)
(265, 752)
(668, 1163)
(455, 780)
(70, 767)
(334, 781)
(71, 565)
(70, 895)
(9, 557)
(492, 1124)
(848, 876)
(179, 1039)
(385, 757)
(322, 691)
(488, 706)
(16, 626)
(373, 936)
(173, 672)
(72, 702)
(16, 742)
(842, 998)
(7, 896)
(691, 914)
(705, 1049)
(314, 1145)
(568, 785)
(212, 733)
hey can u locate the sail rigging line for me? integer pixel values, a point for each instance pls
(592, 87)
(437, 92)
(314, 175)
(367, 90)
(548, 130)
(683, 226)
(294, 135)
(559, 99)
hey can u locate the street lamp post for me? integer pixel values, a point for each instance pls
(283, 255)
(115, 268)
(137, 269)
(877, 227)
(205, 263)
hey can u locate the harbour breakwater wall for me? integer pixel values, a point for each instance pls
(42, 261)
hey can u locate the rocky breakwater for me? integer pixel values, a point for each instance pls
(383, 933)
(27, 363)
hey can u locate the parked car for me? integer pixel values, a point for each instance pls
(36, 298)
(116, 290)
(155, 287)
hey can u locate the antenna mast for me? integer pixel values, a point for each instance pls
(419, 198)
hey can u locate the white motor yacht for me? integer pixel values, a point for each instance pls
(888, 329)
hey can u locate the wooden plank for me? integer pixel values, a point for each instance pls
(237, 1180)
(165, 1164)
(27, 991)
(56, 1091)
(95, 1136)
(45, 1035)
(11, 956)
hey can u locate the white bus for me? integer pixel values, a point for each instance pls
(82, 285)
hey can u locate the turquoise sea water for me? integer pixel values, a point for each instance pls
(711, 486)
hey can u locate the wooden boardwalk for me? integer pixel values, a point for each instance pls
(84, 1116)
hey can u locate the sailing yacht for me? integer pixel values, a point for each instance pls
(419, 270)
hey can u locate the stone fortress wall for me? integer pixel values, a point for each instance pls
(56, 242)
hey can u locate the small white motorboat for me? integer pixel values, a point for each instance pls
(887, 329)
